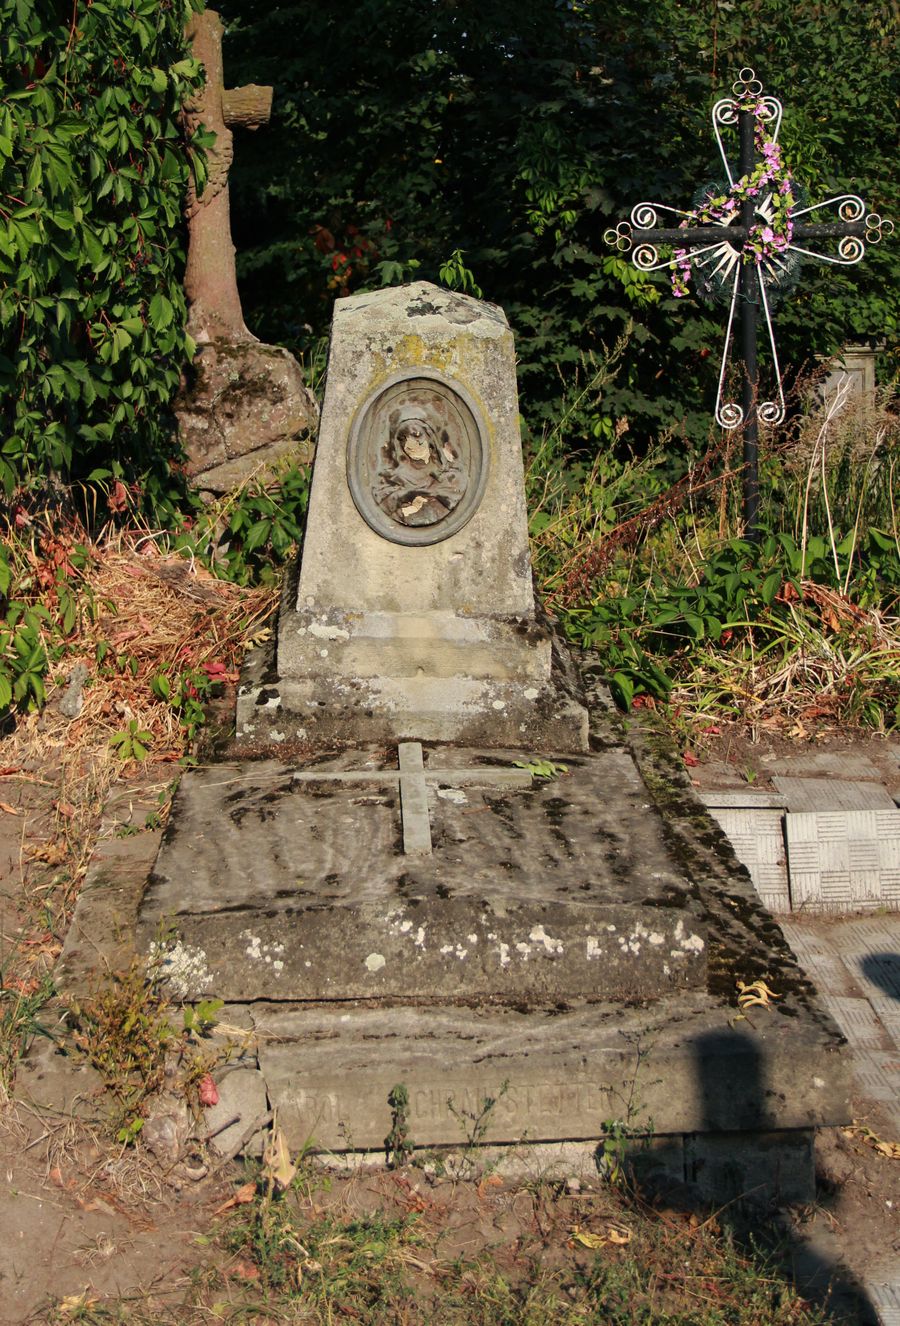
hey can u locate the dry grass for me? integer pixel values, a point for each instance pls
(143, 613)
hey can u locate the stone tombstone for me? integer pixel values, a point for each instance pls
(856, 363)
(243, 405)
(413, 614)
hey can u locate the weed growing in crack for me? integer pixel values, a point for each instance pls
(123, 1028)
(21, 1001)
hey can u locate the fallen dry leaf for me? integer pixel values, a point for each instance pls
(614, 1234)
(756, 994)
(8, 809)
(207, 1091)
(277, 1167)
(242, 1270)
(77, 1303)
(244, 1194)
(889, 1149)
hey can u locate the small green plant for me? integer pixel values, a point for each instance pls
(122, 1028)
(201, 1018)
(21, 1001)
(475, 1124)
(186, 691)
(620, 1134)
(456, 275)
(397, 1145)
(133, 743)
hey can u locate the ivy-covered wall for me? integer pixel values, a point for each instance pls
(93, 171)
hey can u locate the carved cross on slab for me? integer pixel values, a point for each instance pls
(413, 779)
(210, 280)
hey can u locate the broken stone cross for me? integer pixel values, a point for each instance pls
(210, 278)
(413, 778)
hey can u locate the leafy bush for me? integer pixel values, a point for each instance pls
(491, 144)
(93, 170)
(759, 618)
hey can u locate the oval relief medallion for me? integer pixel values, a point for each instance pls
(417, 460)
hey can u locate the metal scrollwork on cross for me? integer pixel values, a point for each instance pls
(741, 244)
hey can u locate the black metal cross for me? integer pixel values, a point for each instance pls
(758, 257)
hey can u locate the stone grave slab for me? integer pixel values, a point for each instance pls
(382, 883)
(839, 860)
(808, 795)
(757, 836)
(294, 882)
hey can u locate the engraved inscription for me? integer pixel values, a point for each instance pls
(417, 460)
(520, 1108)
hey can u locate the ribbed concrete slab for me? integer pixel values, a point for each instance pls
(757, 836)
(840, 860)
(826, 764)
(885, 1296)
(878, 1075)
(858, 1021)
(826, 794)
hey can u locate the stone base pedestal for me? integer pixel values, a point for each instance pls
(243, 407)
(421, 676)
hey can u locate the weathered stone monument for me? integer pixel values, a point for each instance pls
(413, 613)
(244, 405)
(390, 894)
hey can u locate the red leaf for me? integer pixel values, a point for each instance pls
(209, 1095)
(690, 760)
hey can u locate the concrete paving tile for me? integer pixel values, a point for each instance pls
(858, 1021)
(743, 798)
(887, 1010)
(826, 764)
(877, 1074)
(758, 841)
(843, 860)
(867, 931)
(807, 795)
(878, 973)
(885, 1298)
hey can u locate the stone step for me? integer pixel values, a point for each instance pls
(684, 1070)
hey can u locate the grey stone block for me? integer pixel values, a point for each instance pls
(329, 1072)
(242, 1096)
(416, 619)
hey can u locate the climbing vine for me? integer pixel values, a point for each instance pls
(93, 169)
